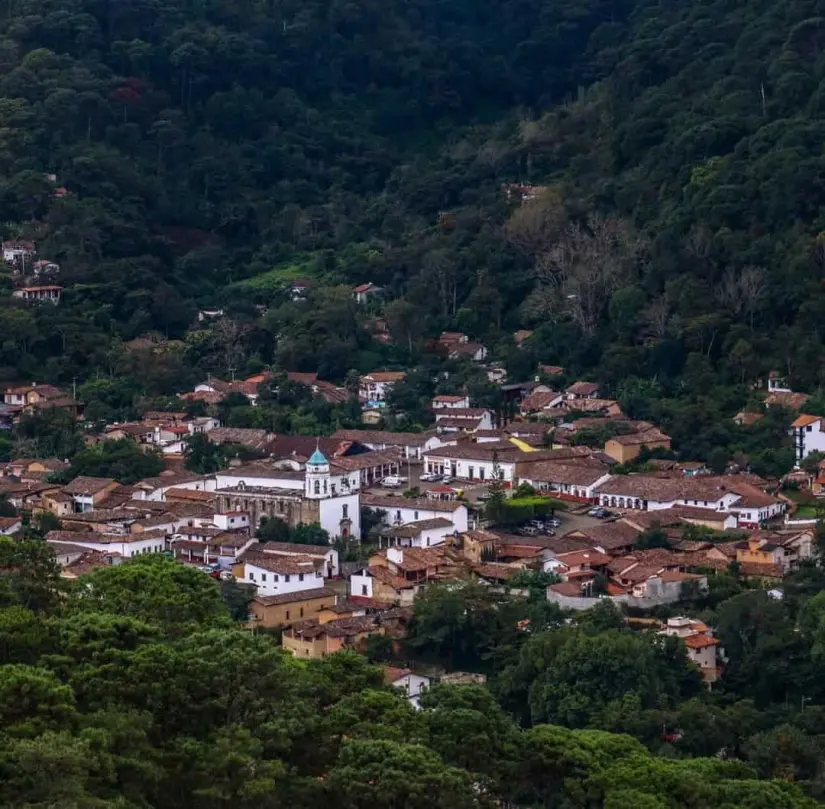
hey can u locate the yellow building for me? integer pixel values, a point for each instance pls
(280, 610)
(624, 448)
(311, 639)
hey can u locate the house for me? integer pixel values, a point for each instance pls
(579, 565)
(328, 557)
(475, 461)
(566, 481)
(280, 610)
(396, 575)
(411, 445)
(444, 402)
(792, 401)
(31, 395)
(702, 648)
(471, 350)
(275, 574)
(761, 549)
(47, 293)
(18, 252)
(412, 685)
(582, 390)
(808, 436)
(745, 419)
(421, 534)
(777, 383)
(125, 546)
(540, 400)
(310, 639)
(298, 290)
(521, 336)
(363, 292)
(476, 546)
(404, 510)
(374, 387)
(454, 419)
(651, 493)
(10, 526)
(624, 448)
(610, 537)
(550, 370)
(87, 492)
(754, 506)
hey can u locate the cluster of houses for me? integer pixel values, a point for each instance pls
(32, 277)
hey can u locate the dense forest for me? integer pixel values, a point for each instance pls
(132, 689)
(212, 152)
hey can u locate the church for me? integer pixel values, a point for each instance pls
(322, 493)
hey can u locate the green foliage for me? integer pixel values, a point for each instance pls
(273, 529)
(123, 461)
(202, 456)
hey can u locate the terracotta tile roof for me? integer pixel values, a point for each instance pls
(384, 437)
(384, 376)
(85, 485)
(700, 641)
(587, 557)
(647, 437)
(495, 571)
(385, 577)
(195, 495)
(538, 400)
(413, 529)
(392, 674)
(794, 401)
(568, 588)
(291, 598)
(385, 501)
(804, 420)
(571, 474)
(316, 551)
(609, 535)
(583, 388)
(280, 563)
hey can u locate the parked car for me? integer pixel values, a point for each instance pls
(447, 479)
(528, 531)
(430, 477)
(597, 512)
(483, 497)
(553, 522)
(392, 482)
(226, 575)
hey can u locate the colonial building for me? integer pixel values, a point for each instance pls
(320, 494)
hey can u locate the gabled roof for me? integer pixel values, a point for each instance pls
(805, 420)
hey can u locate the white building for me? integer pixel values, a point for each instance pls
(48, 293)
(808, 436)
(322, 493)
(475, 461)
(566, 481)
(374, 387)
(328, 556)
(463, 418)
(403, 510)
(444, 402)
(421, 534)
(412, 685)
(126, 546)
(17, 252)
(412, 445)
(277, 574)
(702, 648)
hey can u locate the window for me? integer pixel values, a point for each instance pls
(333, 488)
(317, 487)
(472, 472)
(274, 577)
(300, 577)
(263, 576)
(398, 515)
(415, 515)
(363, 589)
(286, 577)
(287, 615)
(481, 473)
(809, 428)
(251, 576)
(318, 574)
(302, 612)
(345, 510)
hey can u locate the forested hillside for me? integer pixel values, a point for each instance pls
(211, 153)
(132, 689)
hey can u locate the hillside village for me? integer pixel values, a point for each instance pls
(474, 498)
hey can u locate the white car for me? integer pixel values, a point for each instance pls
(430, 477)
(392, 482)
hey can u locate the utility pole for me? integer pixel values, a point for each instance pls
(232, 371)
(74, 388)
